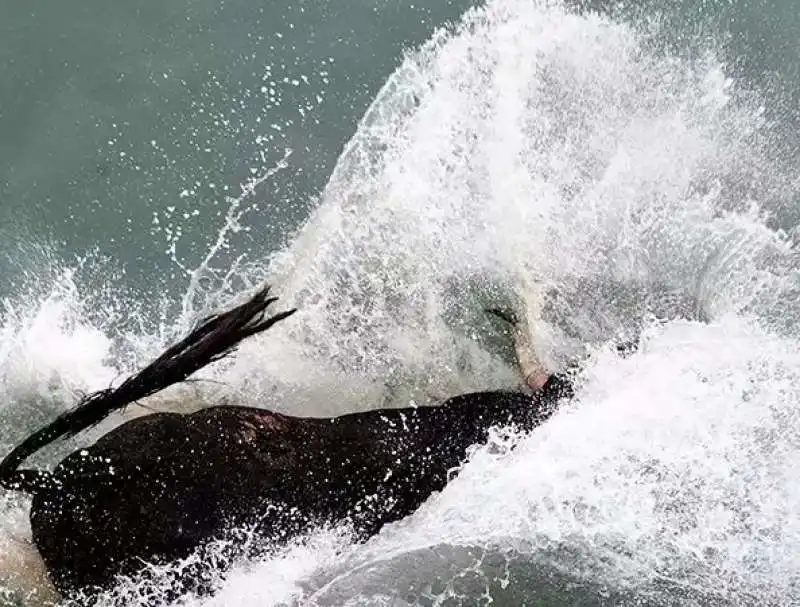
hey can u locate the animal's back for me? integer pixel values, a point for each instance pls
(160, 486)
(156, 488)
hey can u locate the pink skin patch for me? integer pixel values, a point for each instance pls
(255, 423)
(537, 379)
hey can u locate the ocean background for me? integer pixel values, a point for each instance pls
(391, 168)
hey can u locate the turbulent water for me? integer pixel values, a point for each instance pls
(629, 162)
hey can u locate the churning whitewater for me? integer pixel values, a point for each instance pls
(528, 145)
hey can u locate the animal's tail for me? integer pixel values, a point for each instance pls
(213, 339)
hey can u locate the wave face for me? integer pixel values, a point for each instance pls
(528, 145)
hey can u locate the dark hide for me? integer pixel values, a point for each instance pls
(158, 487)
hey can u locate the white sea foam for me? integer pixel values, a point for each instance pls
(528, 144)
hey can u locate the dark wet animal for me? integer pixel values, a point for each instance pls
(158, 487)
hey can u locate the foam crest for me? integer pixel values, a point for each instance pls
(671, 475)
(533, 145)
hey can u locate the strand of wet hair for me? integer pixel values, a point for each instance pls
(214, 338)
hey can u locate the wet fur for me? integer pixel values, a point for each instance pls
(160, 486)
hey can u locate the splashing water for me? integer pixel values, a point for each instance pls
(536, 144)
(531, 144)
